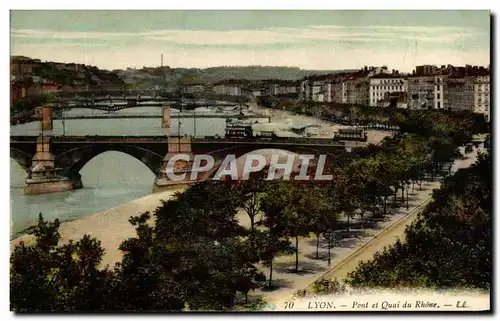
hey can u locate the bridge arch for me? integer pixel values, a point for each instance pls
(74, 159)
(240, 151)
(21, 157)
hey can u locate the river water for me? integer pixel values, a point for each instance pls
(106, 178)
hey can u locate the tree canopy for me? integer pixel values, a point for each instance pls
(197, 256)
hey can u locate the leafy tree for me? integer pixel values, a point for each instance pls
(206, 209)
(249, 194)
(328, 287)
(449, 245)
(297, 215)
(48, 277)
(348, 204)
(268, 246)
(322, 213)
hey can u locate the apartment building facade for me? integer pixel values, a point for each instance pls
(358, 91)
(426, 70)
(383, 84)
(277, 89)
(461, 93)
(447, 87)
(482, 95)
(194, 89)
(227, 90)
(470, 93)
(427, 92)
(336, 91)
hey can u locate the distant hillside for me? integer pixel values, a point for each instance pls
(215, 74)
(166, 76)
(64, 74)
(71, 74)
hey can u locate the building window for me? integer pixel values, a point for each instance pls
(439, 104)
(438, 96)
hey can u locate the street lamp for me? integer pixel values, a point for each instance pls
(330, 236)
(407, 205)
(194, 119)
(179, 124)
(63, 122)
(329, 247)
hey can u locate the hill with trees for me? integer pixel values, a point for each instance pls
(63, 74)
(69, 74)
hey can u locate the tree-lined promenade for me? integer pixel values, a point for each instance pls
(363, 115)
(197, 256)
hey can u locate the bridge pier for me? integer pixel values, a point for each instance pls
(46, 115)
(165, 122)
(44, 177)
(175, 146)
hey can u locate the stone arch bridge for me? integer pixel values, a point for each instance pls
(53, 162)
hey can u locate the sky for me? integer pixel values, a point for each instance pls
(323, 39)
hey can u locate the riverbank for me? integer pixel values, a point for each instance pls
(111, 226)
(326, 129)
(365, 238)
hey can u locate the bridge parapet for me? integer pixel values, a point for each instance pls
(71, 153)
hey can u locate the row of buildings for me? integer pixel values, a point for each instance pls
(218, 89)
(445, 87)
(448, 87)
(289, 89)
(428, 86)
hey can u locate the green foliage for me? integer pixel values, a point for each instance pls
(302, 293)
(29, 103)
(459, 126)
(198, 257)
(248, 73)
(162, 268)
(45, 277)
(328, 287)
(449, 245)
(254, 305)
(248, 195)
(69, 74)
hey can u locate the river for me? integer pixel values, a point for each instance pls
(106, 178)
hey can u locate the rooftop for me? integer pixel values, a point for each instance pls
(386, 76)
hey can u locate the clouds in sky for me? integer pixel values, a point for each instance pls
(311, 47)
